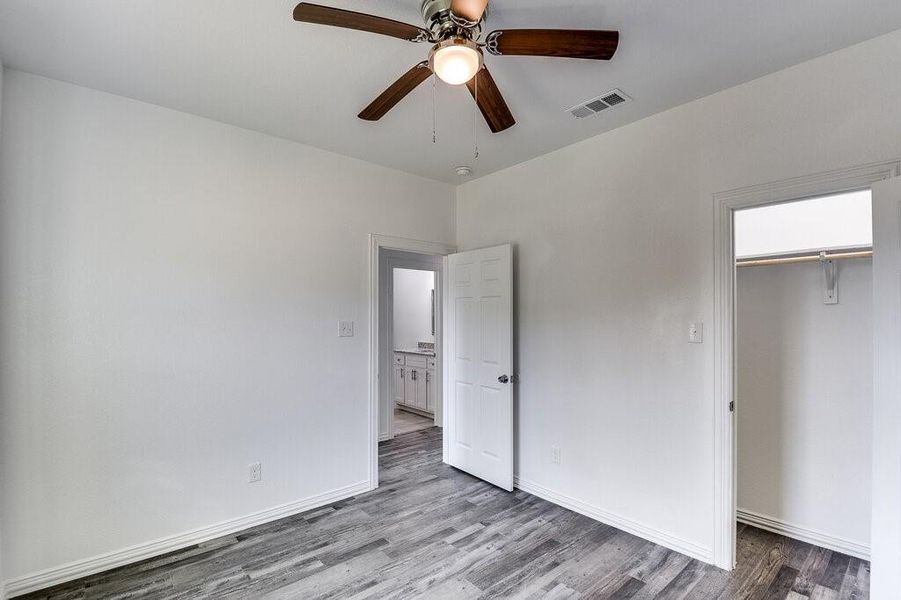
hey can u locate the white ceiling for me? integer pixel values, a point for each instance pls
(248, 63)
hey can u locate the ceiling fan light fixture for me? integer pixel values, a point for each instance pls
(457, 58)
(456, 61)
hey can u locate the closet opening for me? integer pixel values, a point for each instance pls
(803, 384)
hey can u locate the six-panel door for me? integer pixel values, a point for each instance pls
(479, 414)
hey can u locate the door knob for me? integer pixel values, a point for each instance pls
(503, 379)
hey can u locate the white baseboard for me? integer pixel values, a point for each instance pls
(805, 534)
(668, 540)
(384, 437)
(104, 562)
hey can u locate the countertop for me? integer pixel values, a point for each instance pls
(415, 351)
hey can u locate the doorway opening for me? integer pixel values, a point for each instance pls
(414, 342)
(804, 374)
(406, 339)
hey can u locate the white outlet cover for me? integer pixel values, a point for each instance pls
(696, 333)
(345, 328)
(555, 455)
(255, 472)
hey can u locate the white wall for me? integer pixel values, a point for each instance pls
(805, 397)
(412, 307)
(171, 290)
(614, 259)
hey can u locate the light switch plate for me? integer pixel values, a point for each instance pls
(345, 328)
(696, 333)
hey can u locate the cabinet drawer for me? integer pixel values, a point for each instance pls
(399, 359)
(414, 360)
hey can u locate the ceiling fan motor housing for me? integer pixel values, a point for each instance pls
(443, 24)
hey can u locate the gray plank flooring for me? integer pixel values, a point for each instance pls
(407, 422)
(431, 531)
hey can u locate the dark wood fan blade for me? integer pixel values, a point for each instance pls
(492, 104)
(563, 43)
(324, 15)
(471, 10)
(398, 90)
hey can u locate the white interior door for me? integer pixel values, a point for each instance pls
(479, 359)
(886, 514)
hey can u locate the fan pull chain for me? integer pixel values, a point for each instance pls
(475, 119)
(434, 110)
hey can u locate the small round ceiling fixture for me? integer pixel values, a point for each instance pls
(463, 171)
(456, 60)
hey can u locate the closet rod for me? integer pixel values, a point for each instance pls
(787, 260)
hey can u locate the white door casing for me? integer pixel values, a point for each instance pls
(886, 512)
(479, 358)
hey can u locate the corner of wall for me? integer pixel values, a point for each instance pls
(2, 580)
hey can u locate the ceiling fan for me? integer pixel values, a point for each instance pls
(454, 28)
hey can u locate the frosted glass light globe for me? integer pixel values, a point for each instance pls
(456, 61)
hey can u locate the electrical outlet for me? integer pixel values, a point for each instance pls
(255, 472)
(555, 455)
(345, 328)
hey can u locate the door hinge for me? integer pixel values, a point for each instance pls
(732, 406)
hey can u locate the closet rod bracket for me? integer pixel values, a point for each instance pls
(830, 275)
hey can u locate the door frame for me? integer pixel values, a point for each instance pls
(725, 205)
(377, 243)
(885, 554)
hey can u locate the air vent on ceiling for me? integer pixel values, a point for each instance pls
(580, 112)
(601, 103)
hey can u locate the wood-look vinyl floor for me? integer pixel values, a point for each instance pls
(407, 422)
(431, 531)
